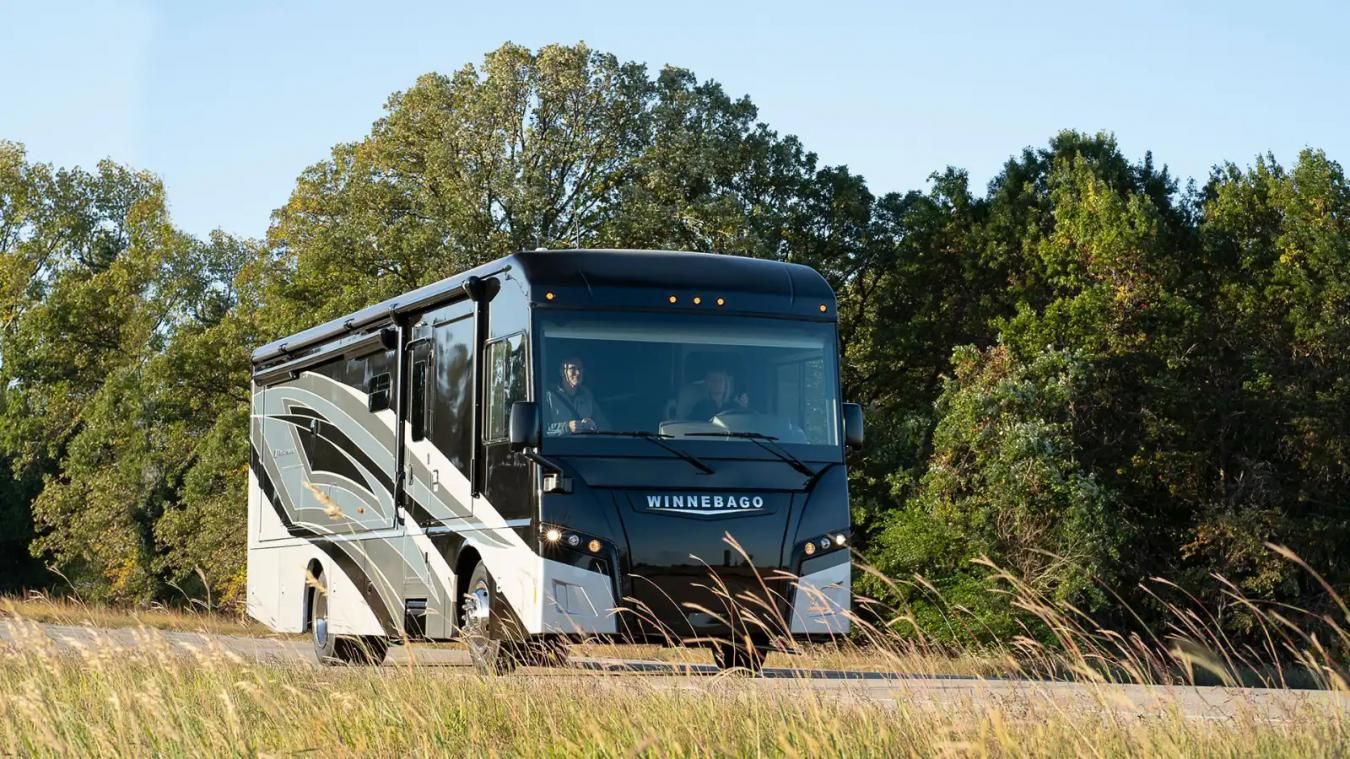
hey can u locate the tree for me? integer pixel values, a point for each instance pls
(111, 293)
(1276, 243)
(1007, 483)
(560, 148)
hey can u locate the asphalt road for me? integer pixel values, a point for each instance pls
(891, 689)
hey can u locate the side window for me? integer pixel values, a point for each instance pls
(450, 424)
(505, 383)
(377, 390)
(417, 412)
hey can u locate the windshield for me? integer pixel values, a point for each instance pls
(688, 376)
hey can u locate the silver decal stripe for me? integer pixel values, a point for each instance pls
(515, 563)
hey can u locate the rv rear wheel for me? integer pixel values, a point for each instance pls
(496, 646)
(337, 650)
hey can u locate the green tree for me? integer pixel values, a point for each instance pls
(1007, 482)
(101, 296)
(1277, 247)
(563, 147)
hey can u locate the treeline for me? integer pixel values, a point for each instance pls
(1085, 373)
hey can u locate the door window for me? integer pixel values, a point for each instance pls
(505, 385)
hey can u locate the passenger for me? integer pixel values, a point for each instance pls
(718, 398)
(570, 406)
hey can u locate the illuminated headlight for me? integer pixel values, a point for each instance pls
(827, 542)
(565, 538)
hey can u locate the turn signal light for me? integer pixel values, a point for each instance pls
(594, 545)
(809, 548)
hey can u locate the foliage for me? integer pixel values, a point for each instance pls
(109, 373)
(1005, 483)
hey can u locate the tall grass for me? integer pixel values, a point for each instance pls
(156, 701)
(66, 610)
(156, 698)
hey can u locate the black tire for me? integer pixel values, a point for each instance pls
(742, 657)
(340, 650)
(495, 646)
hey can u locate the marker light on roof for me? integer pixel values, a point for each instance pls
(548, 296)
(697, 300)
(673, 299)
(822, 308)
(721, 301)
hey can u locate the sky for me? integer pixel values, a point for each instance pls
(228, 102)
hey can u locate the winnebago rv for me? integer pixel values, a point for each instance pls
(556, 446)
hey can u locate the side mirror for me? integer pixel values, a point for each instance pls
(853, 425)
(525, 429)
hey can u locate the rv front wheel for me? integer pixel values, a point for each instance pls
(338, 650)
(495, 644)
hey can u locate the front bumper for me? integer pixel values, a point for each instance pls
(581, 603)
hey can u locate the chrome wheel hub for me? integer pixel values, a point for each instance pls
(477, 606)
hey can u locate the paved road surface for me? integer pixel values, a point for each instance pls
(916, 691)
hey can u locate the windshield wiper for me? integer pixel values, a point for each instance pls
(657, 439)
(762, 440)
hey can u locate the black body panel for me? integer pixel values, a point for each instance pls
(693, 572)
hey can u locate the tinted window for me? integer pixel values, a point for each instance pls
(417, 401)
(378, 392)
(505, 384)
(451, 423)
(689, 376)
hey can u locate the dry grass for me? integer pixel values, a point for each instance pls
(66, 611)
(105, 701)
(156, 697)
(845, 656)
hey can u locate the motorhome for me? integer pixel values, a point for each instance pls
(559, 446)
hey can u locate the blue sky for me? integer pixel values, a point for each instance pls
(228, 104)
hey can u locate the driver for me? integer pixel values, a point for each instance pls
(570, 406)
(718, 398)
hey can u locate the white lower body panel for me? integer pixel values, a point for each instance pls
(820, 602)
(277, 584)
(576, 601)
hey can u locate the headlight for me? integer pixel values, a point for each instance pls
(828, 542)
(563, 537)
